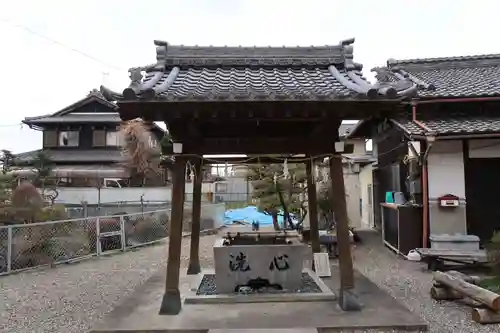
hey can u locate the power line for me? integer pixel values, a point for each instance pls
(11, 125)
(53, 41)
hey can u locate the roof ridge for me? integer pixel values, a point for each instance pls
(250, 47)
(435, 60)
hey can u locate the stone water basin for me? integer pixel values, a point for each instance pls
(249, 258)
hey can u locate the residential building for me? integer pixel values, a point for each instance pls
(452, 124)
(83, 142)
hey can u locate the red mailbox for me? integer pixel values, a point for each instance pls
(448, 200)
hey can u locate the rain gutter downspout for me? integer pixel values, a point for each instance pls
(425, 175)
(431, 138)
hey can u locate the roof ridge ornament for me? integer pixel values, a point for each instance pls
(136, 75)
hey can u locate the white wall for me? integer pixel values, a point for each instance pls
(353, 196)
(366, 179)
(446, 169)
(486, 148)
(75, 195)
(446, 176)
(359, 147)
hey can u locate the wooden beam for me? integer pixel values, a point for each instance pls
(171, 302)
(342, 109)
(347, 300)
(257, 128)
(312, 206)
(194, 250)
(277, 159)
(262, 146)
(484, 296)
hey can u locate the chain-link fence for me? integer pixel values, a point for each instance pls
(31, 245)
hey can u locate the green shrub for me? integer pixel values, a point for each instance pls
(493, 251)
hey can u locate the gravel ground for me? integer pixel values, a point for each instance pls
(71, 298)
(410, 282)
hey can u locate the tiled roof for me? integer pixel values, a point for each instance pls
(73, 155)
(93, 96)
(252, 73)
(463, 125)
(79, 118)
(469, 76)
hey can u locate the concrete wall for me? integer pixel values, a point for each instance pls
(446, 176)
(366, 189)
(75, 195)
(353, 196)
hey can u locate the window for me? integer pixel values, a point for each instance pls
(111, 183)
(152, 142)
(113, 138)
(220, 187)
(69, 138)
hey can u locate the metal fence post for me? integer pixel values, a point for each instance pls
(9, 249)
(122, 230)
(97, 235)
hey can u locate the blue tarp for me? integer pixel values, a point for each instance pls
(250, 214)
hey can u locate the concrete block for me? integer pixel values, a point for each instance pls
(326, 295)
(238, 264)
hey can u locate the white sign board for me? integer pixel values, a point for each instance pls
(322, 265)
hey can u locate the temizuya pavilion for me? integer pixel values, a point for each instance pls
(255, 101)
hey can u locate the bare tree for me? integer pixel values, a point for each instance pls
(143, 158)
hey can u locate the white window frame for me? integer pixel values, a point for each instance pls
(113, 139)
(68, 135)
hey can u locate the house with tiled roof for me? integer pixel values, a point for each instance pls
(82, 141)
(453, 122)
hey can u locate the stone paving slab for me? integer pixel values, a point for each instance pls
(293, 330)
(139, 313)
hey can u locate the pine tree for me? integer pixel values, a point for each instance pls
(277, 190)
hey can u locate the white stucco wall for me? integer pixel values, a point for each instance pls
(446, 169)
(366, 189)
(486, 148)
(353, 196)
(446, 175)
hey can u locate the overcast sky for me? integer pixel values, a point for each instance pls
(42, 77)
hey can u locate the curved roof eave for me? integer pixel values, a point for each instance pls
(180, 68)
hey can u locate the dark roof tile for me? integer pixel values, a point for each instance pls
(459, 125)
(80, 118)
(468, 76)
(93, 96)
(252, 73)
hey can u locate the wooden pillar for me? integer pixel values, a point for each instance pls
(312, 205)
(347, 300)
(194, 255)
(171, 303)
